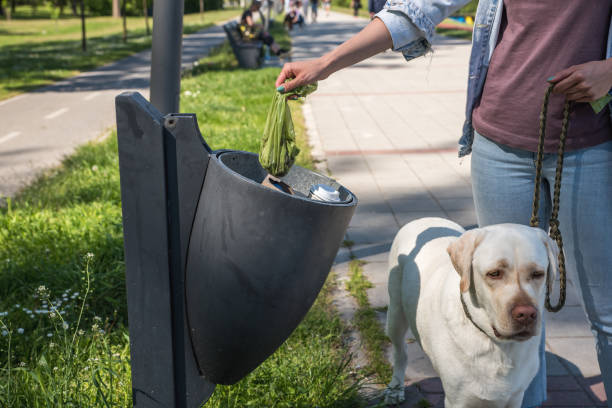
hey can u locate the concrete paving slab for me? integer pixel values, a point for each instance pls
(578, 354)
(568, 322)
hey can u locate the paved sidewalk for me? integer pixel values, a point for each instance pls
(42, 126)
(388, 130)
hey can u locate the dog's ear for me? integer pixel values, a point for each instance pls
(552, 251)
(461, 252)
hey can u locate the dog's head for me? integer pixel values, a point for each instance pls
(504, 268)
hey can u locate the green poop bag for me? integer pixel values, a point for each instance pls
(278, 148)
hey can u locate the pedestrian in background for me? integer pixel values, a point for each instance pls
(375, 7)
(314, 8)
(327, 7)
(305, 7)
(356, 5)
(519, 45)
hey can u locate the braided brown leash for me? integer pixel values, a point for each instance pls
(555, 233)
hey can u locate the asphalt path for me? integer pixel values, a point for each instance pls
(39, 128)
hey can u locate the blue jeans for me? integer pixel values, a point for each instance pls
(503, 181)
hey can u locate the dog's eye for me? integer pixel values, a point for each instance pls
(496, 274)
(537, 274)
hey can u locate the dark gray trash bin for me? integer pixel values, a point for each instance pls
(219, 268)
(248, 53)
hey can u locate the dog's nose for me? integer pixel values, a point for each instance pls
(524, 314)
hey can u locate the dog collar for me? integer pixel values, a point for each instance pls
(469, 316)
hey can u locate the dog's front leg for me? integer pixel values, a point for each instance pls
(397, 326)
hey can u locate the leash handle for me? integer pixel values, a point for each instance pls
(555, 232)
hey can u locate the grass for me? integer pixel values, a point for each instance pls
(63, 325)
(367, 323)
(37, 52)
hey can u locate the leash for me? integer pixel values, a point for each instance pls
(555, 233)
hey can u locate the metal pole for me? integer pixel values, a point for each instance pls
(166, 55)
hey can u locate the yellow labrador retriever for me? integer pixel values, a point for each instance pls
(474, 301)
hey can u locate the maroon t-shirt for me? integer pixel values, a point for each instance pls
(539, 38)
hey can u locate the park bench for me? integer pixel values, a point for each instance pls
(247, 52)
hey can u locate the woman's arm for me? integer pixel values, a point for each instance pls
(373, 39)
(585, 82)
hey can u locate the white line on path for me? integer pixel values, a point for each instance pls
(91, 96)
(8, 137)
(13, 99)
(57, 113)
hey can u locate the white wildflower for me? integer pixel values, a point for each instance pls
(49, 334)
(5, 332)
(65, 325)
(20, 330)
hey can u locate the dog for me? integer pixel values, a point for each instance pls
(474, 301)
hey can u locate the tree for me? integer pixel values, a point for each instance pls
(202, 10)
(83, 37)
(145, 10)
(116, 12)
(124, 21)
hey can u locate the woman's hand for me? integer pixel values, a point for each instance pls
(301, 73)
(585, 82)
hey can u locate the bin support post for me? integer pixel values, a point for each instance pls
(166, 55)
(159, 200)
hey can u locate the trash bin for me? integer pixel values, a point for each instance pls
(220, 269)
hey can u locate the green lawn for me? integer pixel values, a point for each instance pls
(36, 52)
(63, 334)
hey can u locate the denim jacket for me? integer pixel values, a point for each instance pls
(411, 24)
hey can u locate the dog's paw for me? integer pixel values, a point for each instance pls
(394, 395)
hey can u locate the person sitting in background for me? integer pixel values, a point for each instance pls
(251, 31)
(294, 16)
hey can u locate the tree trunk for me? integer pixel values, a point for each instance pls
(116, 12)
(124, 21)
(202, 10)
(2, 13)
(83, 37)
(13, 6)
(73, 6)
(146, 15)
